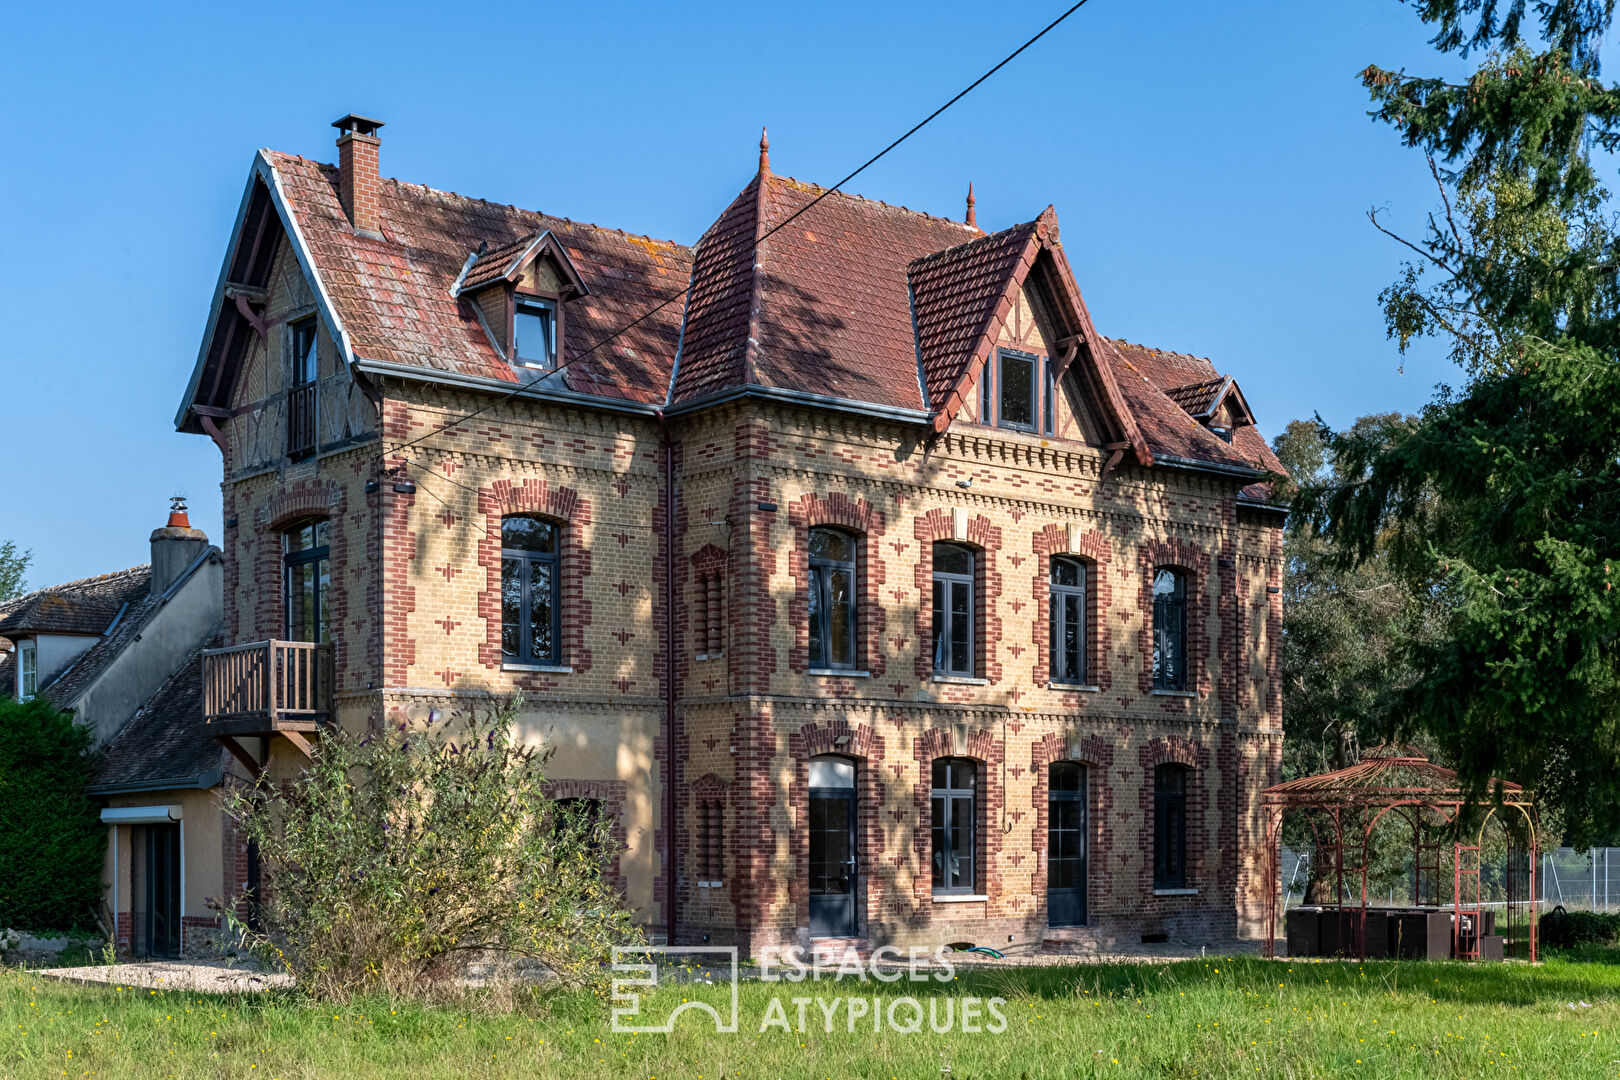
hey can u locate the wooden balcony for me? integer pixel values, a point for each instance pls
(267, 688)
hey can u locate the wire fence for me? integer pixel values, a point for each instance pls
(1579, 879)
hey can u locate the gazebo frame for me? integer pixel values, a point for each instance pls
(1398, 778)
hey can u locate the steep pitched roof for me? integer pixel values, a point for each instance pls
(166, 742)
(87, 606)
(852, 299)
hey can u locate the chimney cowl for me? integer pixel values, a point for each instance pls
(358, 172)
(175, 547)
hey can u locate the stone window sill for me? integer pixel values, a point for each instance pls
(710, 884)
(961, 680)
(709, 656)
(959, 898)
(1175, 892)
(1087, 687)
(848, 673)
(550, 669)
(1175, 693)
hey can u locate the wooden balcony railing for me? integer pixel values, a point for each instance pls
(301, 420)
(267, 686)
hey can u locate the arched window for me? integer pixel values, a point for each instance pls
(955, 824)
(1170, 827)
(1169, 629)
(832, 599)
(307, 573)
(1068, 620)
(954, 632)
(531, 607)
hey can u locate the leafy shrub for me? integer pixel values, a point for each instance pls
(397, 860)
(1562, 929)
(52, 842)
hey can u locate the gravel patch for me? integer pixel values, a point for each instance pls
(201, 976)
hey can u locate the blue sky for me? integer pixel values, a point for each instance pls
(1211, 165)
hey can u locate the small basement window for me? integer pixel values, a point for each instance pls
(534, 334)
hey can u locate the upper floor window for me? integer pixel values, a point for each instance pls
(27, 669)
(1017, 391)
(1170, 827)
(531, 608)
(953, 609)
(1169, 629)
(534, 333)
(1068, 620)
(305, 368)
(954, 798)
(832, 599)
(307, 569)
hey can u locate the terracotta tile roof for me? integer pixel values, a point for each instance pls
(956, 294)
(830, 312)
(855, 299)
(496, 262)
(1196, 398)
(87, 606)
(393, 295)
(1149, 377)
(166, 740)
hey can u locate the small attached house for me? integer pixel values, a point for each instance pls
(121, 653)
(869, 590)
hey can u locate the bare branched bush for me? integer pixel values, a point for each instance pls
(414, 861)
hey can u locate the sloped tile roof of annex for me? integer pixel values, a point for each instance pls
(86, 606)
(166, 740)
(393, 295)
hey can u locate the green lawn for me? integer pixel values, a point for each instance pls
(1223, 1018)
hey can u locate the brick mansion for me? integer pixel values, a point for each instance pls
(865, 587)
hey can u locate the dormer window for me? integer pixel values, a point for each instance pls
(534, 333)
(27, 669)
(1016, 390)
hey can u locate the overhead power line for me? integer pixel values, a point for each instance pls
(672, 297)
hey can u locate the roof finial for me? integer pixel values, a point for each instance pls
(972, 218)
(764, 151)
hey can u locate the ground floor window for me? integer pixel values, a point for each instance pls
(955, 817)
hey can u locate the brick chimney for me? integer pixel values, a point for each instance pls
(357, 171)
(175, 547)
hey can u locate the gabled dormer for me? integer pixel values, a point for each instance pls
(1218, 404)
(520, 292)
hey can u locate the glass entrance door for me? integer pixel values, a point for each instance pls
(156, 865)
(833, 868)
(1066, 845)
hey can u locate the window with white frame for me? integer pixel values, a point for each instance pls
(27, 669)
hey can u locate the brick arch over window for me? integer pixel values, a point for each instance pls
(304, 499)
(611, 794)
(1194, 562)
(1097, 755)
(867, 524)
(982, 748)
(940, 524)
(1195, 757)
(1094, 550)
(867, 749)
(565, 506)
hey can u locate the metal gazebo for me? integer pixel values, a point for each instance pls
(1344, 806)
